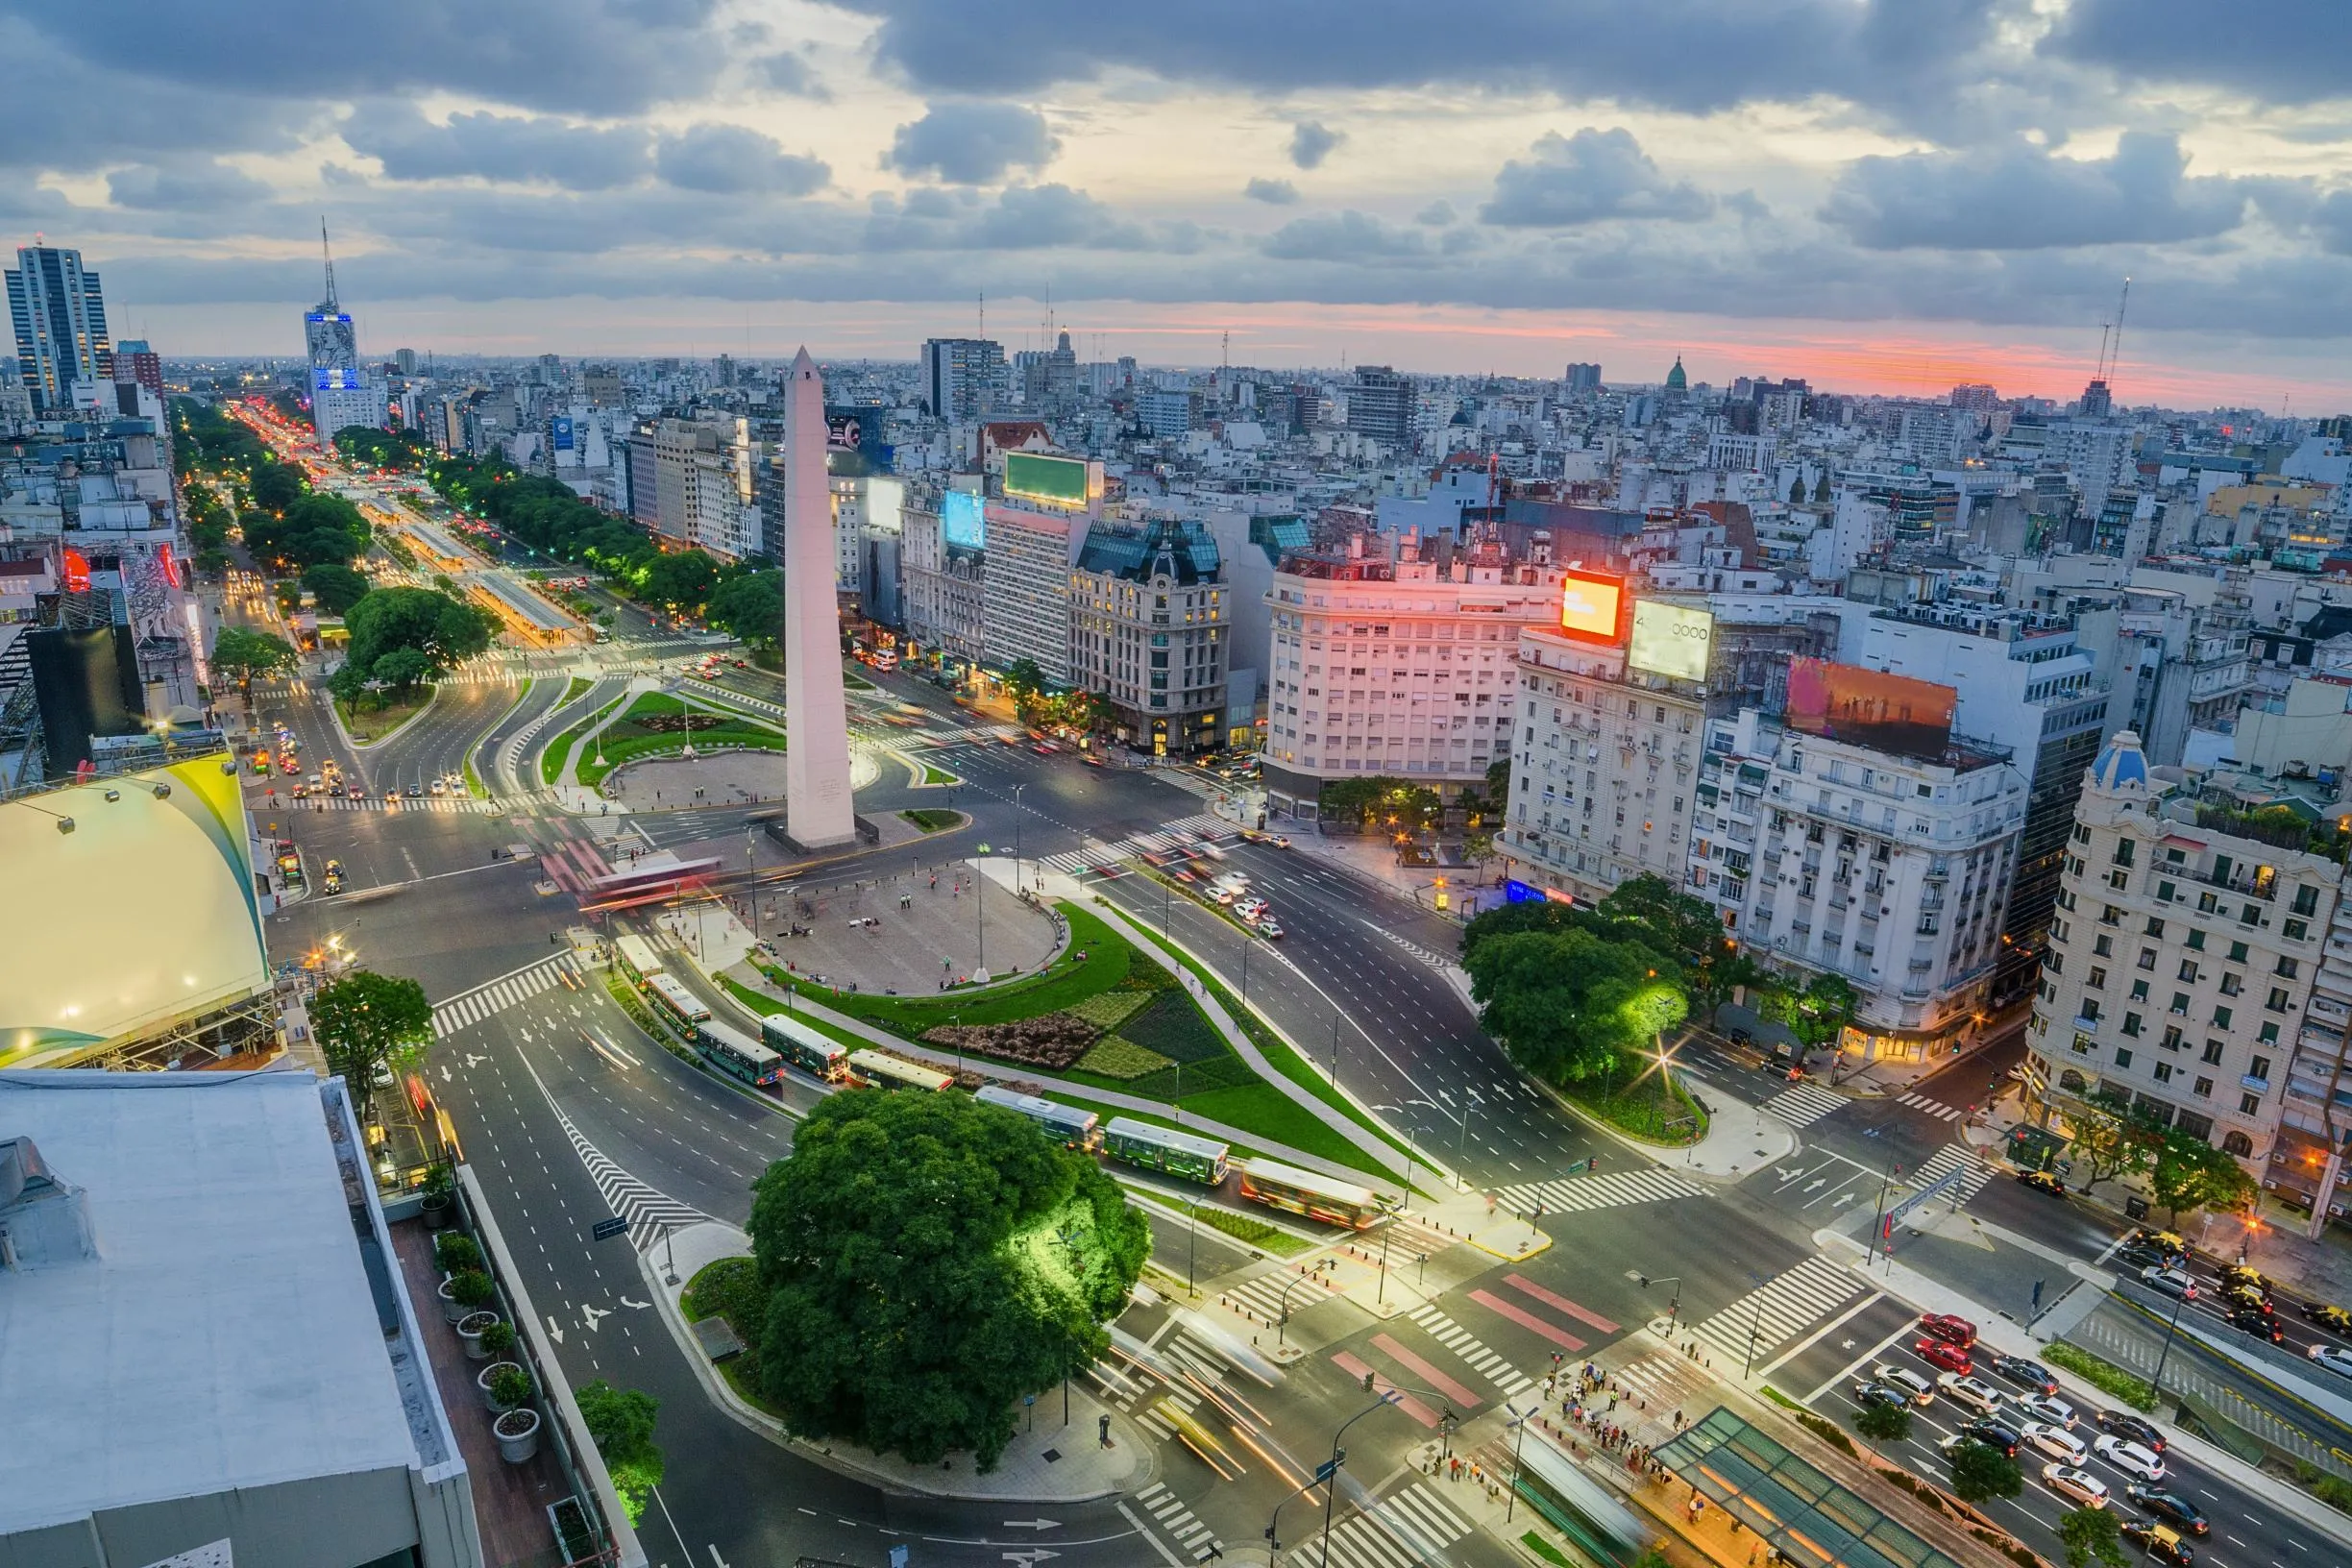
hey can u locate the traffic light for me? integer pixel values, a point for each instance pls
(1368, 1383)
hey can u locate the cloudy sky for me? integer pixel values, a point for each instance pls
(1876, 194)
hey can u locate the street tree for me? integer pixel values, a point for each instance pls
(2113, 1137)
(927, 1260)
(400, 670)
(337, 588)
(1024, 677)
(1981, 1472)
(2091, 1532)
(1816, 1013)
(750, 605)
(442, 628)
(620, 1422)
(2190, 1173)
(1884, 1423)
(680, 580)
(1651, 910)
(245, 655)
(1571, 1006)
(367, 1021)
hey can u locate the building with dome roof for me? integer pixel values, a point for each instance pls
(1678, 380)
(2181, 955)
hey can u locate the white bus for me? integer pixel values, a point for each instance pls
(1326, 1198)
(877, 1070)
(637, 958)
(683, 1005)
(738, 1055)
(1072, 1127)
(1163, 1149)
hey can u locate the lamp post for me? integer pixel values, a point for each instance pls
(1017, 835)
(1755, 1329)
(2156, 1383)
(1519, 1427)
(1674, 1307)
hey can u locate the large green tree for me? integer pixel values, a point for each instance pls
(401, 668)
(2091, 1532)
(750, 605)
(2190, 1173)
(243, 654)
(367, 1021)
(1817, 1012)
(681, 579)
(1884, 1423)
(1654, 910)
(620, 1422)
(442, 628)
(2113, 1137)
(1573, 1005)
(337, 588)
(313, 531)
(1981, 1472)
(929, 1259)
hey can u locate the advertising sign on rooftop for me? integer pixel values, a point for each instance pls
(1593, 608)
(1671, 640)
(962, 520)
(1057, 482)
(1871, 707)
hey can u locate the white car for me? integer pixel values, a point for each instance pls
(2129, 1457)
(1975, 1393)
(2048, 1407)
(2081, 1485)
(2171, 1281)
(2055, 1441)
(2338, 1361)
(1921, 1390)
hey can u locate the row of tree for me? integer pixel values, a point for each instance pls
(1041, 704)
(2115, 1138)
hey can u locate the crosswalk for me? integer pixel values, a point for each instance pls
(1171, 838)
(1783, 1309)
(1611, 1190)
(446, 805)
(1934, 1107)
(1802, 1105)
(970, 735)
(1974, 1172)
(472, 1007)
(1279, 1292)
(1170, 1514)
(648, 1211)
(1408, 1528)
(1467, 1345)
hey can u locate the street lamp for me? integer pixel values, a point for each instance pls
(1518, 1441)
(2156, 1383)
(1017, 835)
(1674, 1307)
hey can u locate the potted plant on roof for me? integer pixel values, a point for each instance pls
(454, 1251)
(518, 1434)
(437, 1201)
(504, 1385)
(470, 1330)
(465, 1293)
(498, 1341)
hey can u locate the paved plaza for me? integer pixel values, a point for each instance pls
(927, 925)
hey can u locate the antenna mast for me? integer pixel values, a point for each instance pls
(984, 312)
(2121, 306)
(2099, 371)
(326, 250)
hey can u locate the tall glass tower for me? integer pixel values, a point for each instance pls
(60, 318)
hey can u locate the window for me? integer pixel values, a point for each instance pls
(2213, 1052)
(2139, 990)
(2287, 967)
(2103, 948)
(2155, 926)
(2307, 899)
(2259, 1067)
(2097, 979)
(2171, 1040)
(2248, 1105)
(2202, 1089)
(2237, 952)
(2123, 852)
(2196, 940)
(2119, 880)
(2164, 1073)
(2221, 1018)
(2168, 893)
(2279, 1002)
(2188, 971)
(2147, 959)
(2123, 1058)
(2133, 1028)
(2269, 1035)
(2180, 1004)
(2296, 931)
(2231, 984)
(2109, 914)
(2238, 1143)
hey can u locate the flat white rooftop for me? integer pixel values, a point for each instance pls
(225, 1335)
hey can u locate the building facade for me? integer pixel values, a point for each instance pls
(1150, 630)
(1030, 553)
(59, 313)
(964, 377)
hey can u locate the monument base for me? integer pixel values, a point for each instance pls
(779, 828)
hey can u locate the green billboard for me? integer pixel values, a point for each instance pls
(1061, 481)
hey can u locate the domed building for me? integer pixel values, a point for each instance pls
(1677, 379)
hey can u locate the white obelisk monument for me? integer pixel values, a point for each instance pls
(816, 722)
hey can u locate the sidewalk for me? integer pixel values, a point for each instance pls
(1047, 1461)
(1740, 1138)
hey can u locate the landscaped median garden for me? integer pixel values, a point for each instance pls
(1117, 1019)
(654, 723)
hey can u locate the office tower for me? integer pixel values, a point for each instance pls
(404, 360)
(817, 801)
(60, 318)
(137, 364)
(341, 391)
(964, 377)
(1583, 377)
(1380, 404)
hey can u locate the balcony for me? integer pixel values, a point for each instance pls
(2254, 1085)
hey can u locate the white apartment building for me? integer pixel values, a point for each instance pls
(1030, 553)
(2181, 960)
(1405, 667)
(946, 605)
(1891, 870)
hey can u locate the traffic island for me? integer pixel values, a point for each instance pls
(927, 928)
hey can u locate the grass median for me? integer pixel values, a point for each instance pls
(658, 723)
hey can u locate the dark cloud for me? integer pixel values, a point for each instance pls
(2024, 198)
(1343, 236)
(1586, 177)
(184, 184)
(53, 120)
(1438, 214)
(789, 71)
(1272, 192)
(2272, 51)
(1018, 219)
(497, 147)
(594, 57)
(971, 144)
(734, 160)
(1312, 141)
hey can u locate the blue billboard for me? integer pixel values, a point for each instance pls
(961, 522)
(560, 433)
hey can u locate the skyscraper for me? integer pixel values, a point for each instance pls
(964, 377)
(60, 318)
(342, 393)
(1381, 404)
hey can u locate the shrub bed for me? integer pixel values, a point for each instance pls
(1053, 1041)
(1122, 1059)
(2104, 1375)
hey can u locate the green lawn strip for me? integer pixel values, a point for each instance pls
(572, 692)
(1544, 1549)
(937, 776)
(932, 821)
(2103, 1375)
(374, 724)
(475, 787)
(1068, 983)
(642, 1016)
(1259, 1106)
(614, 753)
(1246, 1229)
(760, 1004)
(551, 761)
(1645, 1114)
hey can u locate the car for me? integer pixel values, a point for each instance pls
(2043, 1181)
(334, 868)
(290, 768)
(2158, 1541)
(2334, 1318)
(2135, 1429)
(1952, 1331)
(439, 786)
(358, 792)
(1224, 895)
(1271, 928)
(2240, 1274)
(1993, 1434)
(2243, 1298)
(1091, 760)
(1740, 1037)
(2025, 1372)
(301, 791)
(2172, 1282)
(2167, 1242)
(331, 884)
(1950, 1357)
(2134, 1255)
(2171, 1507)
(1867, 1394)
(2338, 1361)
(2079, 1485)
(1183, 876)
(2048, 1407)
(314, 780)
(1921, 1390)
(1974, 1393)
(2260, 1325)
(1044, 748)
(416, 792)
(2129, 1456)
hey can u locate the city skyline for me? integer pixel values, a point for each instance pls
(1827, 197)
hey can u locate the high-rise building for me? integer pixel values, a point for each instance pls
(342, 393)
(1149, 630)
(964, 377)
(60, 317)
(1380, 404)
(404, 360)
(1581, 378)
(139, 364)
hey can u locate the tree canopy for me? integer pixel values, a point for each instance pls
(927, 1260)
(2113, 1137)
(440, 627)
(750, 607)
(366, 1021)
(1572, 1005)
(2188, 1172)
(1981, 1472)
(313, 531)
(680, 580)
(337, 588)
(242, 654)
(2091, 1532)
(620, 1422)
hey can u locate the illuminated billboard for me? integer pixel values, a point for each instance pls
(1869, 707)
(1058, 481)
(1593, 608)
(962, 521)
(1670, 639)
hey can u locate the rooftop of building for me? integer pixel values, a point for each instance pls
(1138, 552)
(220, 1330)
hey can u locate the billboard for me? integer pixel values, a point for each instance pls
(1058, 481)
(1871, 707)
(962, 520)
(1671, 640)
(559, 433)
(1593, 608)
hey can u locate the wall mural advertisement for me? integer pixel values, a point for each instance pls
(1871, 707)
(1671, 640)
(1593, 608)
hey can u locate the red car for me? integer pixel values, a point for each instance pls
(1952, 1331)
(1950, 1357)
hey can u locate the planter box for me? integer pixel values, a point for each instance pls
(516, 1447)
(452, 1309)
(470, 1329)
(481, 1382)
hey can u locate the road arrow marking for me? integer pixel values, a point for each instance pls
(1030, 1556)
(640, 1305)
(1817, 1183)
(1792, 1172)
(445, 1074)
(1033, 1523)
(1844, 1198)
(591, 1315)
(554, 1330)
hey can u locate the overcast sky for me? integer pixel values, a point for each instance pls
(1876, 194)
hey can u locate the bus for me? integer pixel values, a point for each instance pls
(804, 1047)
(1326, 1198)
(1163, 1149)
(637, 958)
(876, 1071)
(738, 1055)
(681, 1004)
(1076, 1129)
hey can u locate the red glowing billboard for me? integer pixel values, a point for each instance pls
(1871, 707)
(1593, 608)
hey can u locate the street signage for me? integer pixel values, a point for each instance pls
(605, 1230)
(1326, 1470)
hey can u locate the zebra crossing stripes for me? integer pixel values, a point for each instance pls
(1404, 1530)
(1160, 840)
(648, 1211)
(1170, 1514)
(1267, 1297)
(471, 1008)
(1783, 1308)
(1467, 1345)
(1974, 1172)
(1934, 1107)
(447, 805)
(1611, 1190)
(1800, 1105)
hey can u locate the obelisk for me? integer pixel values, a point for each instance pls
(816, 721)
